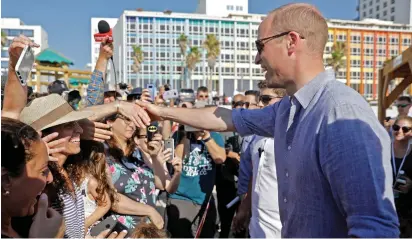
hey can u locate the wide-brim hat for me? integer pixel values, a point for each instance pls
(49, 111)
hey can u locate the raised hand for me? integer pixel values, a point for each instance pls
(16, 47)
(96, 131)
(177, 164)
(146, 97)
(54, 146)
(156, 145)
(135, 113)
(153, 111)
(106, 49)
(47, 222)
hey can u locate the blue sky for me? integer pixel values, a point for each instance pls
(68, 22)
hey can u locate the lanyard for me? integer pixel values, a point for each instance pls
(403, 160)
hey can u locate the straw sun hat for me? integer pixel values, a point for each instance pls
(49, 111)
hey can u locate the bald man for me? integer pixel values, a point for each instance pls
(332, 155)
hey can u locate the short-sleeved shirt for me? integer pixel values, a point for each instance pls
(134, 179)
(198, 174)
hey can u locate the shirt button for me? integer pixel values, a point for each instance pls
(289, 147)
(285, 200)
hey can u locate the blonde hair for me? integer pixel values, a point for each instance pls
(306, 20)
(404, 118)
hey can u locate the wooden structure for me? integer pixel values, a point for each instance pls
(398, 68)
(51, 63)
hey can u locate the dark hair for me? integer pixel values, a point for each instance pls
(405, 98)
(92, 161)
(114, 149)
(202, 89)
(279, 91)
(253, 92)
(148, 230)
(16, 140)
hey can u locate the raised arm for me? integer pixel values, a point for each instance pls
(15, 95)
(218, 119)
(355, 158)
(95, 89)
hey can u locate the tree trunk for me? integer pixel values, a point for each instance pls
(210, 83)
(189, 80)
(182, 75)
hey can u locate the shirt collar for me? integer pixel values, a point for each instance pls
(308, 91)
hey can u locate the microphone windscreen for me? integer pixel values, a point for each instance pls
(103, 26)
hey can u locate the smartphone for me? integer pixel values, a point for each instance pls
(152, 90)
(191, 129)
(25, 65)
(399, 182)
(170, 94)
(151, 131)
(170, 144)
(108, 223)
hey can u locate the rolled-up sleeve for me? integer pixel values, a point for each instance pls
(95, 89)
(260, 122)
(355, 158)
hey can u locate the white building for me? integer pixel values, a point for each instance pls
(222, 8)
(398, 11)
(13, 27)
(95, 46)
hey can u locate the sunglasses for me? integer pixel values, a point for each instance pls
(261, 42)
(247, 104)
(265, 99)
(238, 103)
(402, 105)
(405, 129)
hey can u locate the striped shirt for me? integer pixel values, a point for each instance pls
(73, 214)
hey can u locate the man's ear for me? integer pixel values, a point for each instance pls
(5, 182)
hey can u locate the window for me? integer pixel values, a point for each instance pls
(241, 8)
(132, 40)
(355, 39)
(133, 26)
(237, 8)
(377, 8)
(368, 52)
(330, 37)
(370, 3)
(355, 51)
(5, 53)
(368, 39)
(381, 52)
(406, 42)
(377, 15)
(364, 5)
(228, 7)
(393, 2)
(385, 4)
(341, 37)
(385, 13)
(367, 63)
(392, 9)
(382, 40)
(392, 18)
(355, 63)
(28, 33)
(178, 28)
(370, 11)
(364, 14)
(394, 41)
(355, 75)
(394, 52)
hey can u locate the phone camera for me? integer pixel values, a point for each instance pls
(107, 226)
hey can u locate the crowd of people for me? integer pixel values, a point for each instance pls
(304, 156)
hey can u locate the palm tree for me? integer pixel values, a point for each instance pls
(138, 58)
(3, 38)
(212, 46)
(191, 60)
(338, 57)
(183, 43)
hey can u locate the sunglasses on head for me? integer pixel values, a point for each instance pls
(265, 99)
(405, 129)
(261, 42)
(402, 105)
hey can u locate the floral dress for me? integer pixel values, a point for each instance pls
(134, 179)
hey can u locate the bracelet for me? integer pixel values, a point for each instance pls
(207, 140)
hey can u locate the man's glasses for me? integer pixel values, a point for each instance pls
(238, 104)
(261, 42)
(265, 99)
(405, 129)
(248, 104)
(402, 105)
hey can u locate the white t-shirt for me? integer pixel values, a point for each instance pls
(265, 221)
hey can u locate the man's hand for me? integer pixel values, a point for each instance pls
(233, 155)
(242, 219)
(206, 135)
(16, 48)
(54, 146)
(152, 110)
(135, 113)
(106, 49)
(407, 187)
(95, 131)
(156, 145)
(156, 218)
(47, 221)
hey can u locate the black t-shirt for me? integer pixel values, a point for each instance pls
(404, 201)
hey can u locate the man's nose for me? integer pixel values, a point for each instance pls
(257, 58)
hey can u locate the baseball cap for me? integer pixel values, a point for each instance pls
(57, 87)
